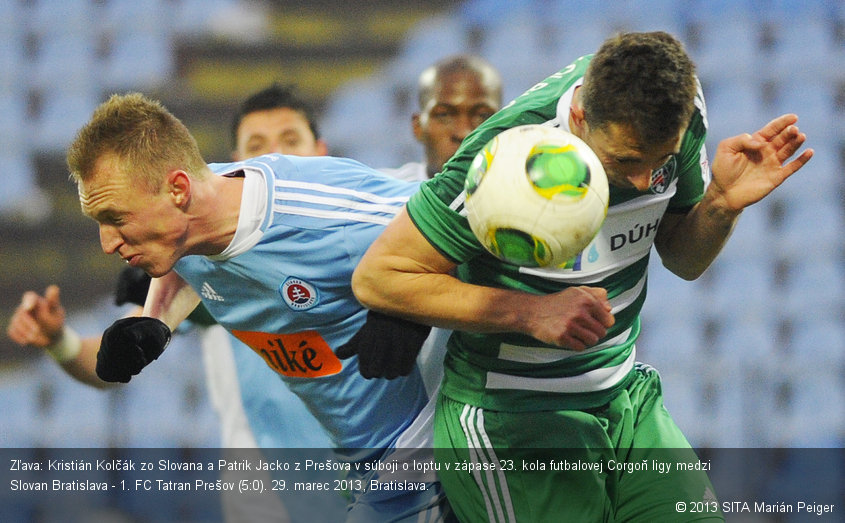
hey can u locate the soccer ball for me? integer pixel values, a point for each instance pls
(536, 196)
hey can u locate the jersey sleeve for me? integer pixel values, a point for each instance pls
(693, 166)
(445, 229)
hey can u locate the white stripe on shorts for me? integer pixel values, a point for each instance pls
(494, 491)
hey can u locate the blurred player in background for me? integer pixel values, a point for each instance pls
(276, 120)
(254, 409)
(269, 251)
(455, 95)
(544, 360)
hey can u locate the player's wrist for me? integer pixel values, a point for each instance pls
(718, 204)
(67, 346)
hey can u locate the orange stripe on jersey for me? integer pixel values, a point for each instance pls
(300, 355)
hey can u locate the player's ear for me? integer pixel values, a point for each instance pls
(321, 148)
(179, 187)
(576, 113)
(416, 126)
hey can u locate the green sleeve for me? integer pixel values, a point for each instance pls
(201, 316)
(693, 168)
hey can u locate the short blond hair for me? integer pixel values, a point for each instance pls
(144, 137)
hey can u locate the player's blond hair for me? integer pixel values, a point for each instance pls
(144, 137)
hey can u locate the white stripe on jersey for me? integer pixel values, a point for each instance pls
(591, 381)
(458, 202)
(373, 208)
(319, 187)
(335, 202)
(333, 215)
(494, 490)
(545, 355)
(623, 300)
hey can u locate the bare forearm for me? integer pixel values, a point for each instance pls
(170, 299)
(690, 243)
(83, 367)
(440, 300)
(401, 274)
(745, 169)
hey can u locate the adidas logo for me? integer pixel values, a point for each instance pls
(209, 293)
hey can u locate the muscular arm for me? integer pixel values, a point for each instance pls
(402, 274)
(746, 168)
(688, 243)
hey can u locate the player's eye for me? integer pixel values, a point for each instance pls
(111, 219)
(480, 116)
(442, 113)
(625, 160)
(255, 146)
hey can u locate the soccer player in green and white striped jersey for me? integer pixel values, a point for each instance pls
(544, 360)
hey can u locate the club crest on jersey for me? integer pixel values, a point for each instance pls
(663, 176)
(298, 294)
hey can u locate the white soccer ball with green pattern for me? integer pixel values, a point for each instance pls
(536, 196)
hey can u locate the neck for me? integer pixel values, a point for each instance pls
(214, 214)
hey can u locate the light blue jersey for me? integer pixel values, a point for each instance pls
(275, 415)
(287, 293)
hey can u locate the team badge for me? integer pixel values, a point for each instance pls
(662, 177)
(298, 294)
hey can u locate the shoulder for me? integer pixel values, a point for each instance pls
(411, 171)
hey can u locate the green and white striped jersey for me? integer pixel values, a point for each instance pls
(515, 372)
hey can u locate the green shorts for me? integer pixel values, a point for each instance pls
(625, 461)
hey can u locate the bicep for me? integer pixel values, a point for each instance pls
(402, 247)
(399, 253)
(666, 231)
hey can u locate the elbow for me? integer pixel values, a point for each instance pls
(362, 289)
(687, 276)
(686, 272)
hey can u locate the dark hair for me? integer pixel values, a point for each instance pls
(645, 80)
(275, 96)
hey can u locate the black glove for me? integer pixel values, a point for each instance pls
(386, 346)
(129, 345)
(132, 286)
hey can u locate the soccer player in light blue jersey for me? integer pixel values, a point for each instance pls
(268, 245)
(253, 408)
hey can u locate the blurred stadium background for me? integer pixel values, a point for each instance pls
(753, 354)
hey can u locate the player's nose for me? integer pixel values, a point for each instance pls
(109, 239)
(463, 126)
(276, 148)
(640, 179)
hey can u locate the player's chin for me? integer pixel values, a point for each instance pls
(154, 271)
